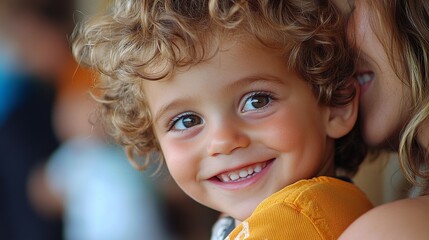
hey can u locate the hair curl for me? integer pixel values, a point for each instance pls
(146, 40)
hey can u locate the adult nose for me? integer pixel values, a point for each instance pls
(227, 137)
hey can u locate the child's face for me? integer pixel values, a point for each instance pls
(239, 127)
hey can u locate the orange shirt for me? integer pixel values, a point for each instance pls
(318, 208)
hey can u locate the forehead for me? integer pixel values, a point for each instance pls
(230, 62)
(185, 57)
(233, 55)
(224, 39)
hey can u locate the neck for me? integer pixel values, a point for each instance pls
(328, 166)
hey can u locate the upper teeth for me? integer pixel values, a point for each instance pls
(241, 174)
(364, 78)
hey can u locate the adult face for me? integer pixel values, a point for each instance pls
(384, 99)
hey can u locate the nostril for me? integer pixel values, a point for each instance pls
(226, 137)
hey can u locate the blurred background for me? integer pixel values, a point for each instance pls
(61, 178)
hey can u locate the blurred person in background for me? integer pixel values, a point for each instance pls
(89, 180)
(35, 96)
(44, 115)
(33, 35)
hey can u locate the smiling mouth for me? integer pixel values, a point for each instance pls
(242, 174)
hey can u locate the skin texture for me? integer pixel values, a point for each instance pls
(384, 99)
(404, 219)
(383, 106)
(242, 109)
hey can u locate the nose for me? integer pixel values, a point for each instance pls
(227, 137)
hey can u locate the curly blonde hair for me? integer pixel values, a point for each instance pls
(407, 23)
(146, 40)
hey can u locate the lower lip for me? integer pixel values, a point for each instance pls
(243, 183)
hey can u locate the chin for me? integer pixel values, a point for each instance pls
(374, 141)
(243, 213)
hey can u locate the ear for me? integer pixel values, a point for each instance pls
(342, 119)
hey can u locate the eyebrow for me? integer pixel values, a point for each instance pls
(165, 108)
(236, 84)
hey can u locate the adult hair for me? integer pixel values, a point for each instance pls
(406, 23)
(147, 40)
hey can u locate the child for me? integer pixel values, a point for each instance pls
(244, 99)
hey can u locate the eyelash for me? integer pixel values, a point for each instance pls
(174, 120)
(268, 95)
(246, 97)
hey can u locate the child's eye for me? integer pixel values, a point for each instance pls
(256, 101)
(185, 121)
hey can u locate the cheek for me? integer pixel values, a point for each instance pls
(184, 162)
(290, 130)
(302, 142)
(384, 109)
(181, 160)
